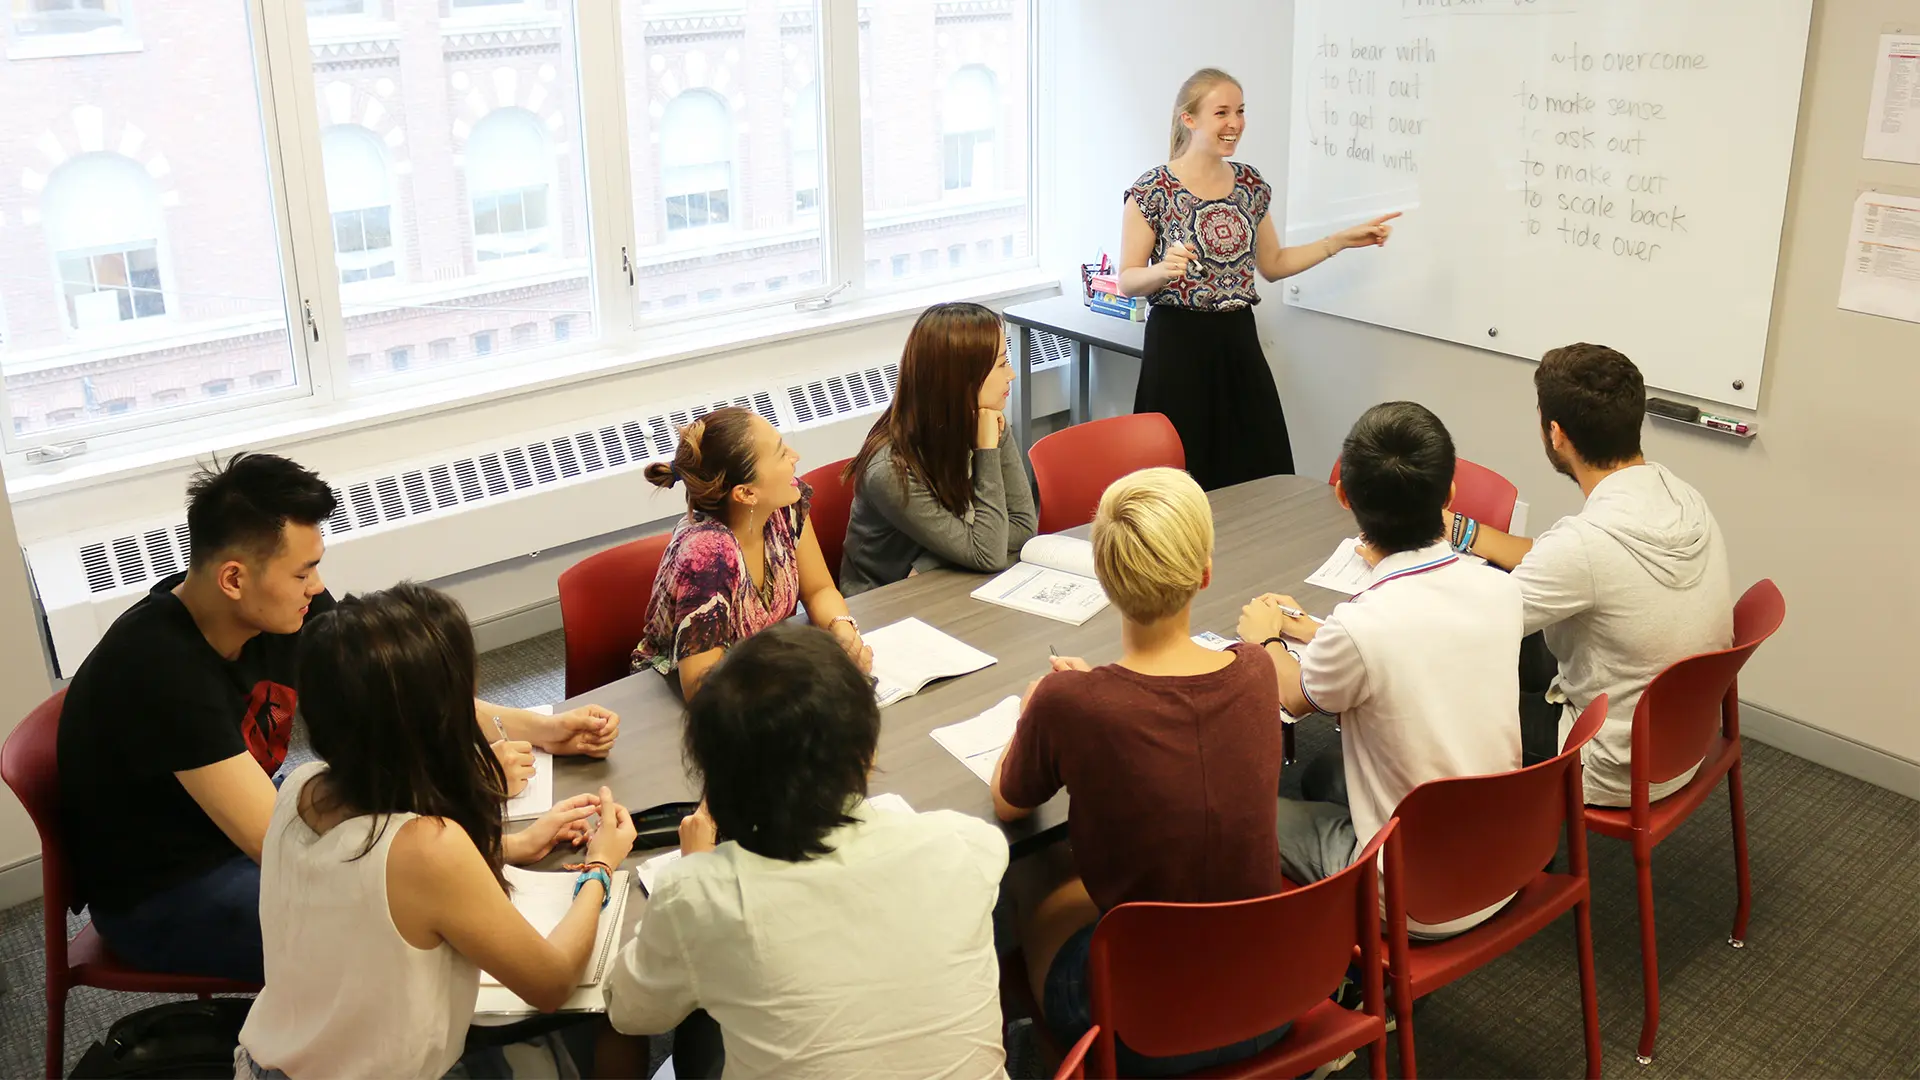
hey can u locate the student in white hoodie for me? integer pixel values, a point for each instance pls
(1635, 581)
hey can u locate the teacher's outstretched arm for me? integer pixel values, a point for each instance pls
(1277, 262)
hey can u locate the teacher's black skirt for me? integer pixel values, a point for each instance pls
(1205, 370)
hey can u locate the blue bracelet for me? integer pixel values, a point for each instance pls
(1465, 547)
(606, 883)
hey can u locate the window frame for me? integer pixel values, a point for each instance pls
(320, 390)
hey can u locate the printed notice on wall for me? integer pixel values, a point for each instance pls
(1882, 275)
(1893, 118)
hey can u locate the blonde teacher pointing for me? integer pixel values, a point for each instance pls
(1193, 233)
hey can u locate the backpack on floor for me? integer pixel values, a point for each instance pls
(176, 1040)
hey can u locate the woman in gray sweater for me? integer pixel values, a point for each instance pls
(940, 480)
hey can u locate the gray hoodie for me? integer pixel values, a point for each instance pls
(1635, 581)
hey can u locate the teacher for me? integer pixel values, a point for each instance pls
(1193, 233)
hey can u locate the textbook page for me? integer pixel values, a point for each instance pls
(909, 654)
(537, 797)
(1054, 578)
(1055, 551)
(979, 742)
(544, 898)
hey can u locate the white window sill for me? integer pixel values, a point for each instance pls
(663, 346)
(53, 46)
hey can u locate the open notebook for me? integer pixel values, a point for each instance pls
(537, 797)
(1054, 578)
(909, 654)
(544, 898)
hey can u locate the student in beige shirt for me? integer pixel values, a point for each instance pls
(827, 938)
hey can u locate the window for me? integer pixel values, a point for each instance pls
(360, 199)
(443, 220)
(983, 250)
(1006, 247)
(324, 9)
(961, 178)
(456, 182)
(135, 251)
(66, 16)
(508, 164)
(970, 114)
(102, 221)
(805, 125)
(724, 148)
(696, 154)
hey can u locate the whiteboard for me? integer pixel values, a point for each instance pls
(1611, 171)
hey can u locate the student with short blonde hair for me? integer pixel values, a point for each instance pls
(1153, 543)
(1172, 755)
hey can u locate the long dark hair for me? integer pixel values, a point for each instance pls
(781, 734)
(931, 423)
(715, 456)
(386, 686)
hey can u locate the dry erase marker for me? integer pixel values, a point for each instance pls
(1722, 423)
(1051, 654)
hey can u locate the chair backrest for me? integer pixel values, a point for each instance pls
(603, 608)
(1179, 978)
(30, 765)
(1074, 1065)
(1466, 842)
(1478, 492)
(1073, 466)
(832, 502)
(1686, 705)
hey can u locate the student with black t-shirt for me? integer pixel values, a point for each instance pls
(176, 723)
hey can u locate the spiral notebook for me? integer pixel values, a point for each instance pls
(544, 899)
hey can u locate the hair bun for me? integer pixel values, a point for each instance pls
(661, 474)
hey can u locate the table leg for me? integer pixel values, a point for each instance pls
(1082, 410)
(1022, 386)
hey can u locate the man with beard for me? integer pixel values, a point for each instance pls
(1632, 583)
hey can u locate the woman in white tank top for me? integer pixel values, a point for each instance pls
(381, 896)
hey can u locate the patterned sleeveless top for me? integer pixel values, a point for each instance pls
(1221, 230)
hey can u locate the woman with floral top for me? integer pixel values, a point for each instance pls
(743, 558)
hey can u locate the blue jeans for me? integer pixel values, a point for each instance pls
(1069, 1009)
(208, 925)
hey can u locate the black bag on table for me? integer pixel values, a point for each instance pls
(184, 1039)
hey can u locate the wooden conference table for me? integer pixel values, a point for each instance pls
(1269, 535)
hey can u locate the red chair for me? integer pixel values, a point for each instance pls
(1181, 978)
(832, 502)
(1465, 842)
(1478, 492)
(603, 610)
(1075, 1065)
(1073, 466)
(29, 762)
(1689, 713)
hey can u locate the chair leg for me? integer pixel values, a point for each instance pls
(1589, 996)
(1737, 798)
(1649, 951)
(1402, 1000)
(1377, 1059)
(56, 1031)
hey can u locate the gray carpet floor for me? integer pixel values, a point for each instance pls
(1828, 985)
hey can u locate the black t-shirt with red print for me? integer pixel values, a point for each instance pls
(151, 700)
